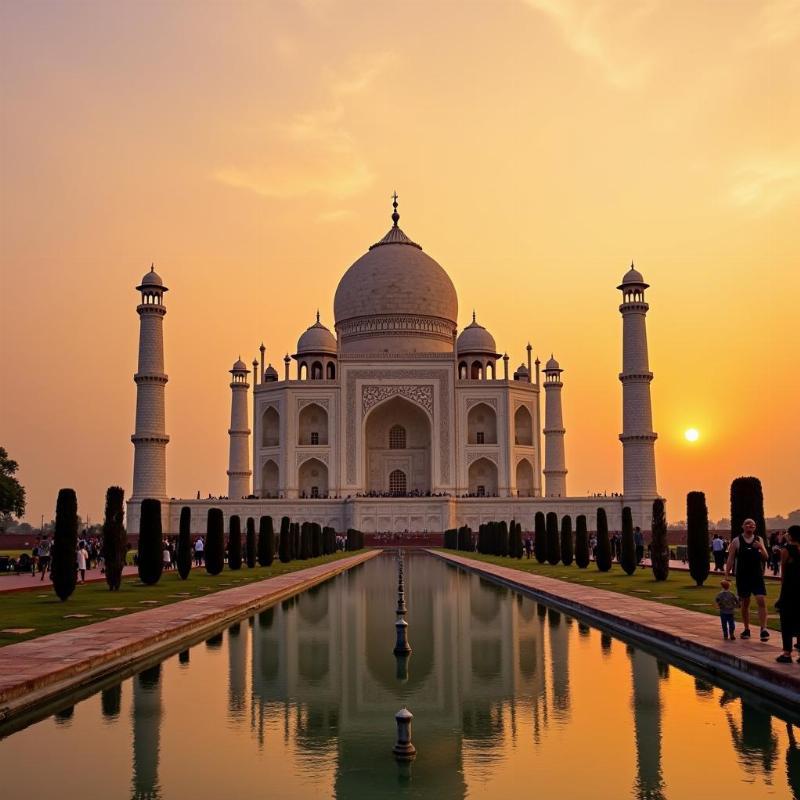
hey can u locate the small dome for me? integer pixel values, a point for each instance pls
(270, 374)
(151, 279)
(317, 339)
(551, 364)
(476, 339)
(240, 366)
(521, 373)
(632, 276)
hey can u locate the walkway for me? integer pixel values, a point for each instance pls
(16, 583)
(44, 669)
(691, 636)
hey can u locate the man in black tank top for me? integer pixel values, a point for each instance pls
(748, 552)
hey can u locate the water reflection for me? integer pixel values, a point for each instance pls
(507, 695)
(146, 716)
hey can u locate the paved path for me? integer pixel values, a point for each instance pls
(16, 583)
(41, 669)
(691, 635)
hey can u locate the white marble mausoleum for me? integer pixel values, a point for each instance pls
(395, 420)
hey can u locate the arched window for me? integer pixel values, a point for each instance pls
(397, 438)
(462, 371)
(476, 372)
(316, 371)
(397, 482)
(331, 370)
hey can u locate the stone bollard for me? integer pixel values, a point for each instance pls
(403, 749)
(402, 645)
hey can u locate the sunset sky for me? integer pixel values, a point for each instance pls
(250, 151)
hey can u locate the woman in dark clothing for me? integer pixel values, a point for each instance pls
(788, 603)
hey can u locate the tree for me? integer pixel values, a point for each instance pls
(215, 542)
(603, 557)
(151, 542)
(114, 539)
(697, 547)
(627, 555)
(582, 555)
(503, 538)
(285, 541)
(747, 502)
(266, 542)
(235, 542)
(515, 546)
(659, 546)
(316, 540)
(63, 555)
(553, 543)
(567, 549)
(12, 493)
(540, 537)
(183, 557)
(250, 541)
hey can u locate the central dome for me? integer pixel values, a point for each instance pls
(395, 299)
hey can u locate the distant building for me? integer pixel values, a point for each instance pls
(396, 422)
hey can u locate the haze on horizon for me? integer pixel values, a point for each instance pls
(537, 146)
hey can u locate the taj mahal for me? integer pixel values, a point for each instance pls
(395, 421)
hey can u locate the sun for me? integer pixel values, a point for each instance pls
(691, 434)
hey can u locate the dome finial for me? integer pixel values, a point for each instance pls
(395, 215)
(473, 316)
(632, 267)
(152, 267)
(317, 316)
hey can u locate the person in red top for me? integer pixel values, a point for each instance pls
(749, 554)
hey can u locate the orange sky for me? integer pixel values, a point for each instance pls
(250, 149)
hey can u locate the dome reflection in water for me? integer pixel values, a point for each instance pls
(509, 698)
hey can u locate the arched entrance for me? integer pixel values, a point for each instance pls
(269, 479)
(397, 436)
(312, 479)
(483, 478)
(524, 478)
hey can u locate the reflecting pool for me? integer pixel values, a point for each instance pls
(510, 699)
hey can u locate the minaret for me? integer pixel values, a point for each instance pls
(150, 439)
(555, 470)
(239, 459)
(637, 437)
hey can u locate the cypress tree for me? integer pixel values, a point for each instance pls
(297, 545)
(250, 543)
(316, 540)
(553, 543)
(305, 540)
(540, 537)
(184, 555)
(63, 555)
(235, 542)
(659, 546)
(266, 542)
(285, 541)
(567, 548)
(582, 555)
(215, 542)
(448, 539)
(114, 538)
(503, 538)
(747, 502)
(151, 542)
(627, 555)
(517, 548)
(697, 536)
(603, 557)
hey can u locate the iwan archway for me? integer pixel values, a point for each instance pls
(397, 441)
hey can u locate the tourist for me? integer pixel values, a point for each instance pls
(776, 542)
(727, 603)
(638, 541)
(44, 556)
(82, 556)
(718, 549)
(788, 603)
(528, 546)
(166, 556)
(748, 553)
(199, 546)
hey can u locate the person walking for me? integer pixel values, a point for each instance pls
(44, 556)
(749, 555)
(718, 550)
(727, 603)
(788, 603)
(199, 546)
(82, 557)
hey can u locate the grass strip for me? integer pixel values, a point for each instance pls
(40, 609)
(678, 590)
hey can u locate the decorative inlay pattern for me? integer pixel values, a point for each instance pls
(443, 423)
(422, 395)
(489, 401)
(395, 325)
(302, 403)
(305, 455)
(472, 457)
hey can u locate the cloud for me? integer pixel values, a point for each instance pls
(314, 152)
(600, 31)
(764, 184)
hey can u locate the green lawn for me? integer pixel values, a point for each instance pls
(40, 608)
(678, 590)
